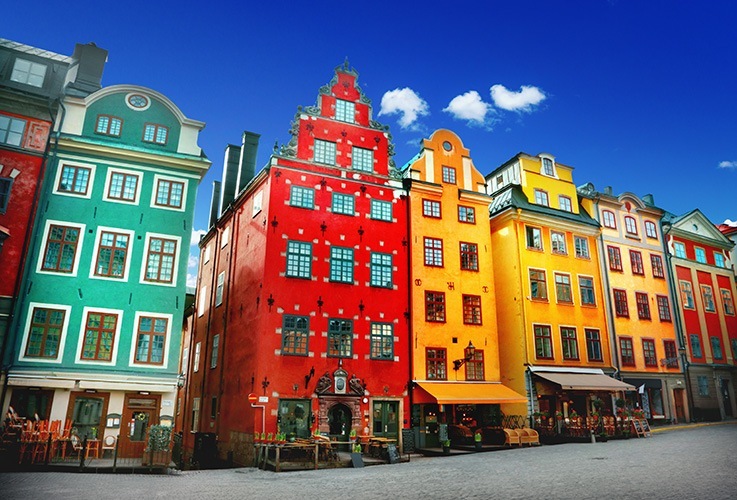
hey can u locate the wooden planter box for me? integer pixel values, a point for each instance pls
(157, 458)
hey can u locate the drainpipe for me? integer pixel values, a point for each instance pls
(411, 345)
(30, 236)
(523, 304)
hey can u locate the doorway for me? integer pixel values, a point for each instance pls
(678, 402)
(86, 412)
(139, 413)
(385, 419)
(724, 387)
(340, 419)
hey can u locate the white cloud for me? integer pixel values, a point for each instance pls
(191, 280)
(192, 262)
(405, 101)
(527, 97)
(468, 106)
(196, 235)
(730, 223)
(728, 164)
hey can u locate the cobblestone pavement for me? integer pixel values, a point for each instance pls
(696, 462)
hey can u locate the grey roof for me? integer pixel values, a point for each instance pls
(513, 196)
(27, 49)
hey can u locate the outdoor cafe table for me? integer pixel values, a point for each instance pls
(285, 451)
(377, 444)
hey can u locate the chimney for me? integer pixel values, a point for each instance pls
(214, 203)
(229, 183)
(608, 190)
(649, 200)
(85, 73)
(249, 148)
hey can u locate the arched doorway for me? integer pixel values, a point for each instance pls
(340, 419)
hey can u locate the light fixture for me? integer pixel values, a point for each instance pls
(180, 380)
(470, 352)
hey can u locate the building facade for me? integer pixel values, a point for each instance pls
(699, 257)
(302, 297)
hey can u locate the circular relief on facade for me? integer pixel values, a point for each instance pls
(447, 146)
(138, 101)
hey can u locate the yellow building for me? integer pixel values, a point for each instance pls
(641, 309)
(455, 359)
(551, 308)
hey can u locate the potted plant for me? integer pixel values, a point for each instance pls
(256, 437)
(158, 448)
(477, 440)
(446, 446)
(352, 436)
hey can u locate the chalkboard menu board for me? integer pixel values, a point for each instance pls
(356, 460)
(408, 440)
(393, 453)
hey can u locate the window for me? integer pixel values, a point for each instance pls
(727, 303)
(381, 270)
(61, 248)
(564, 202)
(45, 331)
(11, 130)
(324, 152)
(382, 341)
(570, 344)
(650, 230)
(215, 350)
(362, 159)
(620, 303)
(582, 247)
(112, 254)
(299, 259)
(431, 208)
(719, 259)
(558, 242)
(543, 342)
(345, 111)
(466, 214)
(663, 308)
(541, 198)
(343, 204)
(626, 351)
(341, 264)
(643, 307)
(703, 383)
(436, 363)
(563, 288)
(700, 255)
(225, 237)
(302, 197)
(202, 301)
(615, 258)
(734, 348)
(449, 175)
(150, 340)
(99, 336)
(196, 361)
(28, 72)
(657, 264)
(648, 350)
(213, 407)
(475, 365)
(716, 347)
(340, 338)
(636, 261)
(219, 289)
(695, 345)
(195, 415)
(538, 285)
(593, 345)
(548, 167)
(686, 295)
(161, 257)
(680, 249)
(586, 287)
(708, 295)
(433, 252)
(534, 237)
(108, 125)
(381, 210)
(435, 307)
(5, 184)
(169, 193)
(294, 335)
(671, 354)
(122, 186)
(469, 256)
(608, 219)
(630, 225)
(74, 179)
(155, 133)
(471, 310)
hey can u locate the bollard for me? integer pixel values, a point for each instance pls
(593, 437)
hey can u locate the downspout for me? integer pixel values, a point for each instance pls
(411, 345)
(523, 297)
(31, 235)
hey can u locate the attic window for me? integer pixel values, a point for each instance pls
(137, 102)
(345, 111)
(548, 168)
(28, 72)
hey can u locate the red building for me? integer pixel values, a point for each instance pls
(704, 286)
(302, 297)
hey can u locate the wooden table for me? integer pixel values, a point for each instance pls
(377, 445)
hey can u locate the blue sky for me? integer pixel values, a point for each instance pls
(639, 96)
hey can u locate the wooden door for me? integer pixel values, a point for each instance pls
(678, 401)
(139, 412)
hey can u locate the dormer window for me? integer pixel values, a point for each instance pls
(541, 198)
(108, 125)
(345, 111)
(158, 134)
(28, 72)
(548, 168)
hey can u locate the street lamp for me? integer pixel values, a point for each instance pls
(470, 352)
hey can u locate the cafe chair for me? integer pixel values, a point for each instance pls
(109, 444)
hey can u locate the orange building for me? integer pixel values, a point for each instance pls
(551, 310)
(455, 349)
(641, 312)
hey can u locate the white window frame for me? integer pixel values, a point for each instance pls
(215, 352)
(26, 332)
(201, 301)
(14, 76)
(220, 288)
(175, 265)
(128, 255)
(155, 192)
(75, 267)
(196, 360)
(108, 178)
(116, 338)
(90, 182)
